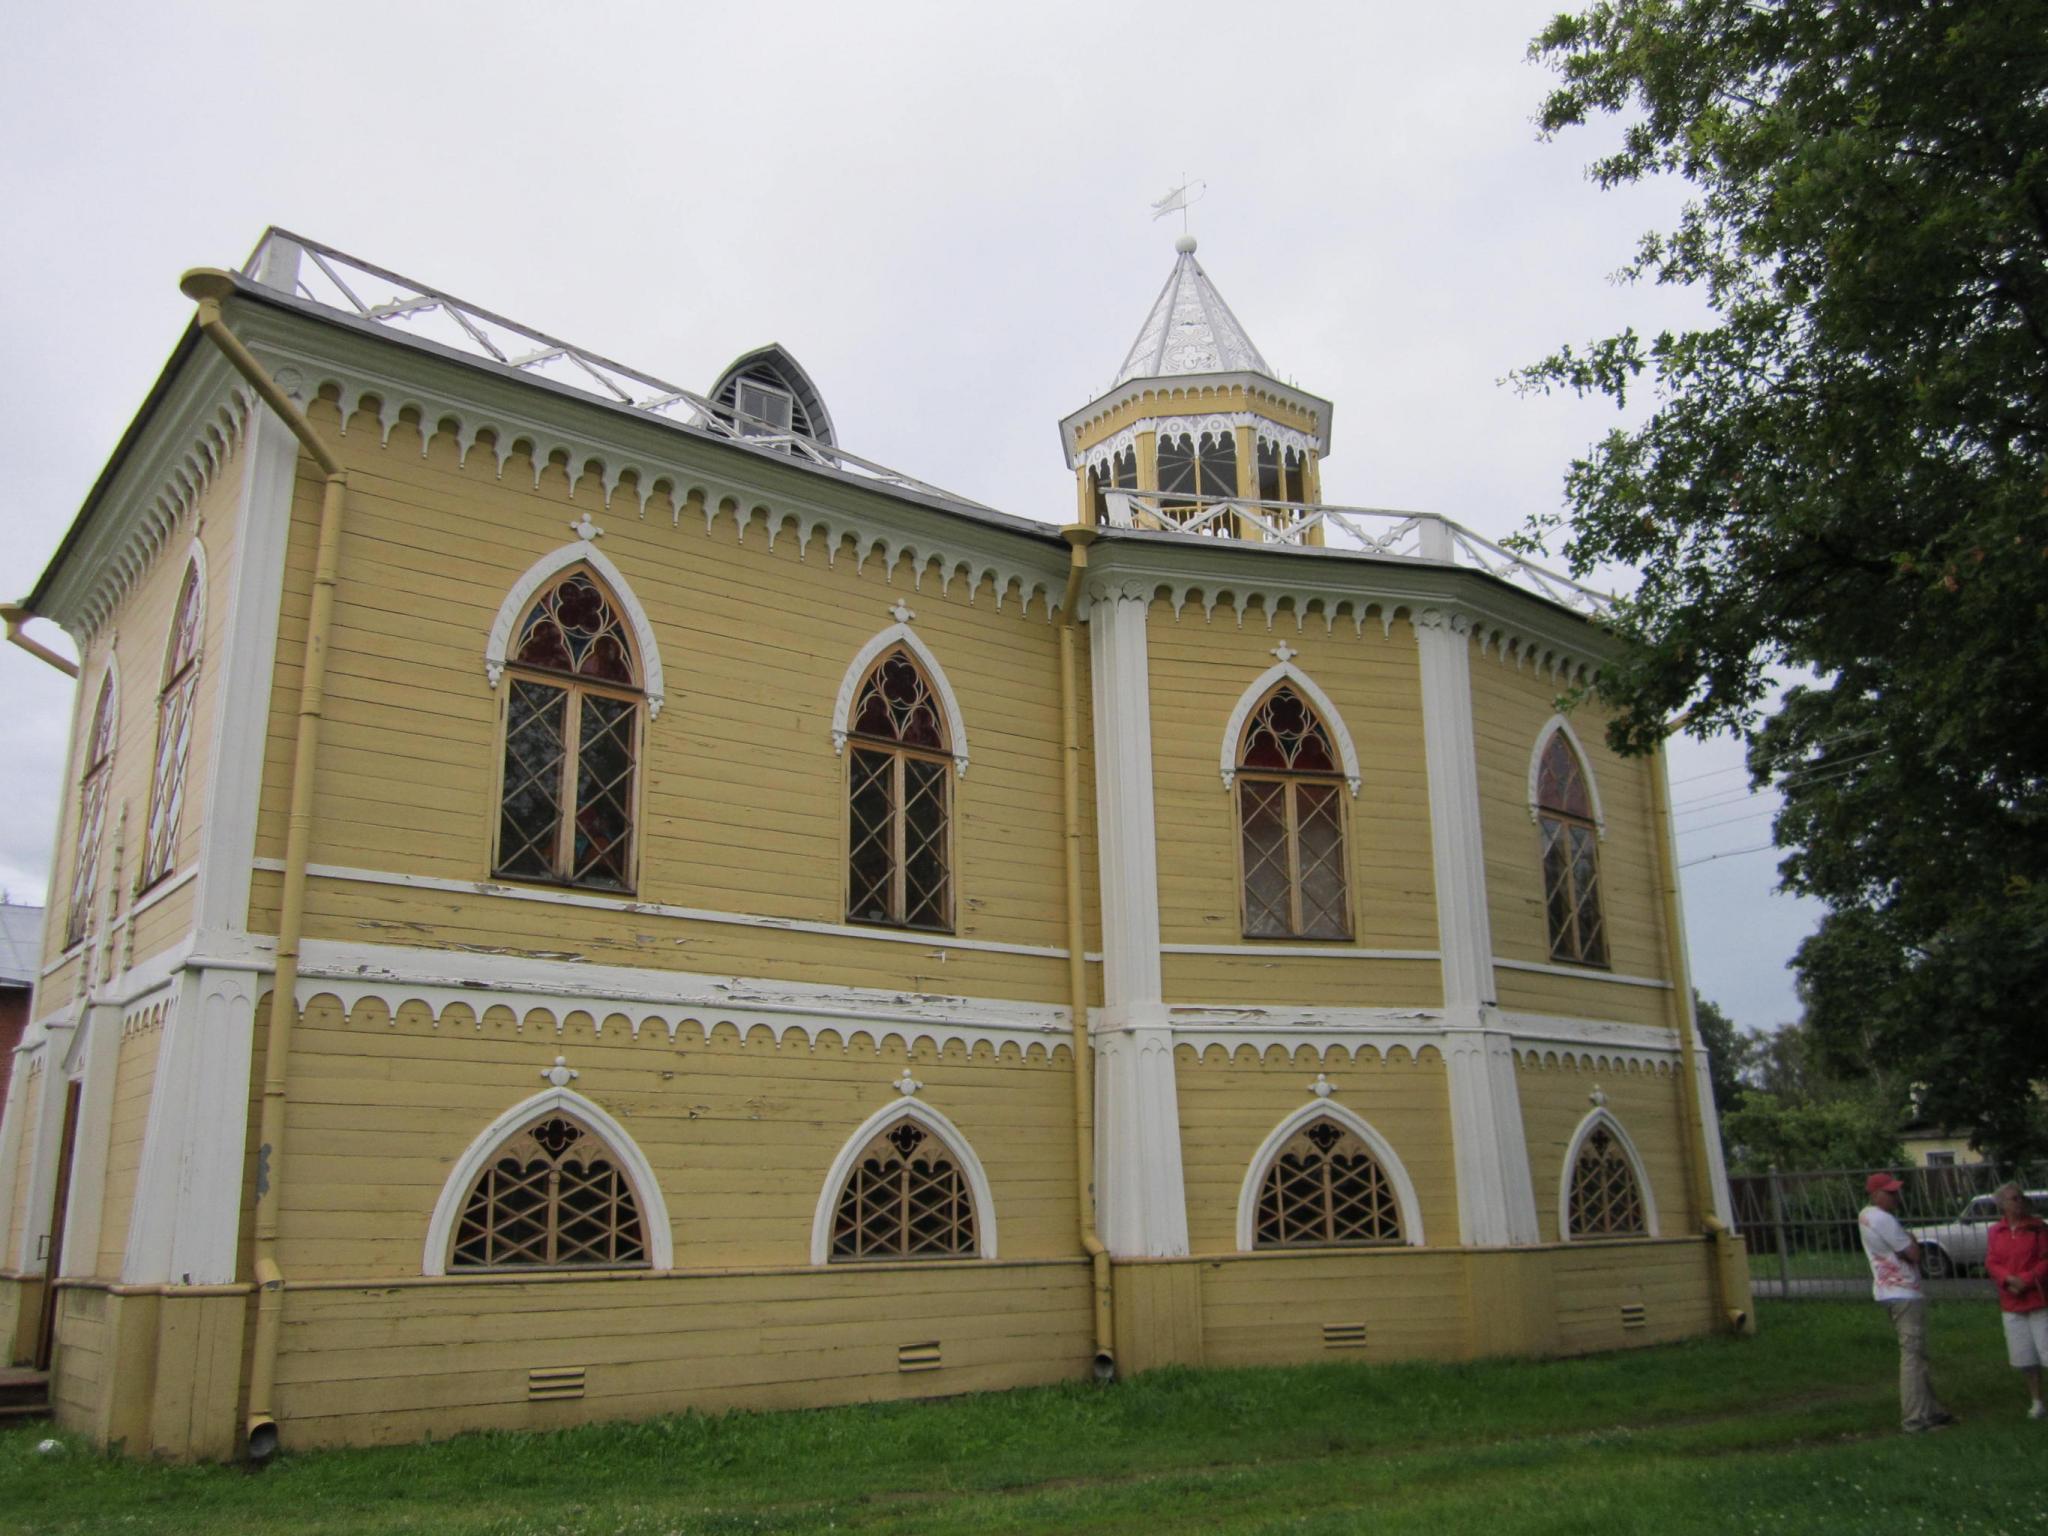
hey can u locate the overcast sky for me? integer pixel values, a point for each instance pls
(942, 210)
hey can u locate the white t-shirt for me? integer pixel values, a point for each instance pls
(1891, 1277)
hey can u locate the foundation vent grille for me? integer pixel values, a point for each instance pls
(1343, 1335)
(918, 1357)
(1634, 1314)
(554, 1384)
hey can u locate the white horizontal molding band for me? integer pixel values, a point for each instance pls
(155, 894)
(124, 991)
(935, 943)
(1314, 951)
(1580, 973)
(1536, 1038)
(437, 979)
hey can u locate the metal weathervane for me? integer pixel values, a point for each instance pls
(1178, 199)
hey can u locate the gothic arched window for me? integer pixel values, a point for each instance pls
(907, 1197)
(898, 812)
(1324, 1187)
(174, 702)
(1290, 816)
(1568, 827)
(552, 1196)
(1606, 1197)
(92, 812)
(572, 741)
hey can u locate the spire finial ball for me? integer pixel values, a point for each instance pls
(1185, 245)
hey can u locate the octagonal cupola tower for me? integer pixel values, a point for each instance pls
(1196, 434)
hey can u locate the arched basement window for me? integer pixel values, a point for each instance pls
(907, 1197)
(173, 730)
(1290, 816)
(1323, 1188)
(553, 1196)
(572, 741)
(1606, 1194)
(898, 809)
(92, 812)
(1568, 828)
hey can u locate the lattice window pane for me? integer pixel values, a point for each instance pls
(1319, 830)
(870, 833)
(604, 793)
(1325, 1187)
(899, 823)
(925, 881)
(1262, 818)
(1606, 1199)
(553, 1198)
(906, 1198)
(92, 813)
(536, 762)
(1592, 938)
(167, 783)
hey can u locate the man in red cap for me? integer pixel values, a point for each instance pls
(1895, 1282)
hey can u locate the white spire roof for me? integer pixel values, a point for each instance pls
(1190, 329)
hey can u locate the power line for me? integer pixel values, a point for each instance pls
(1732, 853)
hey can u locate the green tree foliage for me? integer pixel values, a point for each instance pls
(1728, 1051)
(1802, 1108)
(1843, 475)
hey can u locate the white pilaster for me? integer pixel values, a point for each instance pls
(1496, 1201)
(1140, 1195)
(188, 1193)
(42, 1153)
(99, 1047)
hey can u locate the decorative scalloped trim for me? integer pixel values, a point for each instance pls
(1536, 652)
(1551, 727)
(1382, 1149)
(1599, 1117)
(903, 635)
(545, 569)
(646, 1189)
(932, 1120)
(1546, 1056)
(1267, 680)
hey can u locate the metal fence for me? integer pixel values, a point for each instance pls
(1803, 1240)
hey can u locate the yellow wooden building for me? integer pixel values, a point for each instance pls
(579, 898)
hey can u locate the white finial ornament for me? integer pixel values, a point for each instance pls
(1285, 651)
(1185, 245)
(585, 529)
(906, 1084)
(561, 1074)
(901, 611)
(1322, 1087)
(1598, 1099)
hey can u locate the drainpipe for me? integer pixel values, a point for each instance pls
(1726, 1254)
(208, 288)
(15, 616)
(1078, 538)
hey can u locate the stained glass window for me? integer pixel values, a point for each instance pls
(1290, 813)
(1571, 870)
(173, 733)
(1606, 1199)
(906, 1198)
(92, 813)
(553, 1196)
(898, 807)
(1325, 1187)
(572, 739)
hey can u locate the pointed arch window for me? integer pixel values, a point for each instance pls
(899, 824)
(568, 794)
(1324, 1188)
(174, 703)
(1606, 1194)
(92, 812)
(553, 1196)
(1569, 832)
(1290, 816)
(907, 1197)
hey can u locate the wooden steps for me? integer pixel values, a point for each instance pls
(24, 1394)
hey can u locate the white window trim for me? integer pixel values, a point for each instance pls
(1551, 727)
(1587, 1126)
(1262, 1161)
(470, 1166)
(942, 689)
(544, 570)
(933, 1121)
(1288, 672)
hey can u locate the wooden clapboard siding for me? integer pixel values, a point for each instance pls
(742, 795)
(1556, 1097)
(1229, 1104)
(1672, 1281)
(1510, 705)
(80, 1375)
(1269, 1309)
(374, 1366)
(1588, 998)
(28, 1103)
(1253, 980)
(1199, 669)
(740, 1132)
(134, 1079)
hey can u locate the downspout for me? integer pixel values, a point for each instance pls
(208, 288)
(15, 616)
(1078, 538)
(1731, 1295)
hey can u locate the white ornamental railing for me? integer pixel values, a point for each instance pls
(1419, 536)
(338, 281)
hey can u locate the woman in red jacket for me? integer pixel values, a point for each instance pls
(2017, 1258)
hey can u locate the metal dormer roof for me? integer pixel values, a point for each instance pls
(1190, 329)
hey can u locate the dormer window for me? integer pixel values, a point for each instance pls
(764, 410)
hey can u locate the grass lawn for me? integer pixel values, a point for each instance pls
(1794, 1431)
